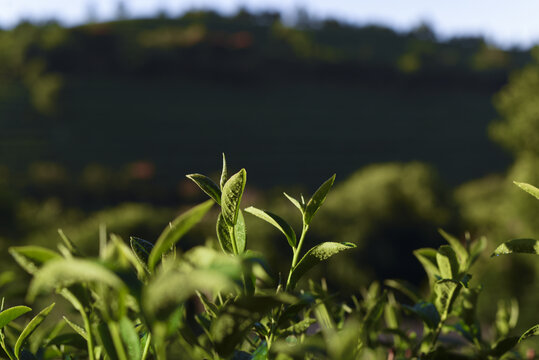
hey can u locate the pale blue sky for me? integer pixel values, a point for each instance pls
(501, 21)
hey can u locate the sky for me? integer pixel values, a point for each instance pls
(504, 23)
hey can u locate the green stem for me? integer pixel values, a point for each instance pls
(297, 252)
(89, 341)
(295, 259)
(146, 346)
(117, 341)
(436, 335)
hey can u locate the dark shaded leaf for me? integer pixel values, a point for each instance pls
(427, 312)
(30, 328)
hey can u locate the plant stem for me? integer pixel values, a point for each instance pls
(297, 252)
(89, 341)
(115, 334)
(146, 346)
(436, 335)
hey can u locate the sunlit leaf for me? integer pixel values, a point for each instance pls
(225, 238)
(172, 233)
(30, 328)
(528, 188)
(533, 331)
(318, 199)
(130, 338)
(276, 221)
(460, 250)
(224, 173)
(316, 255)
(30, 258)
(518, 246)
(295, 202)
(231, 196)
(427, 258)
(446, 292)
(62, 273)
(79, 330)
(11, 314)
(447, 262)
(404, 287)
(207, 185)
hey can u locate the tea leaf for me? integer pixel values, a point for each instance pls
(11, 314)
(276, 221)
(68, 243)
(231, 197)
(446, 291)
(224, 173)
(130, 338)
(300, 327)
(427, 312)
(207, 185)
(176, 230)
(225, 238)
(316, 255)
(460, 250)
(519, 246)
(476, 248)
(427, 258)
(528, 188)
(533, 331)
(318, 199)
(447, 262)
(142, 249)
(78, 329)
(30, 258)
(30, 328)
(61, 273)
(295, 202)
(407, 289)
(503, 346)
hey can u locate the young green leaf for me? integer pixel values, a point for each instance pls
(427, 258)
(224, 173)
(176, 230)
(460, 250)
(446, 291)
(427, 312)
(30, 258)
(447, 262)
(79, 330)
(276, 221)
(130, 338)
(476, 248)
(61, 273)
(404, 287)
(11, 314)
(30, 328)
(295, 202)
(224, 234)
(518, 246)
(314, 256)
(318, 199)
(207, 185)
(68, 243)
(533, 331)
(142, 249)
(528, 188)
(231, 197)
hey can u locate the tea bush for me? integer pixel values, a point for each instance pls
(151, 301)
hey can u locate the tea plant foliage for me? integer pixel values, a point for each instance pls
(150, 300)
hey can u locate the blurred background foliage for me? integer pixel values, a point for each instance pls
(100, 122)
